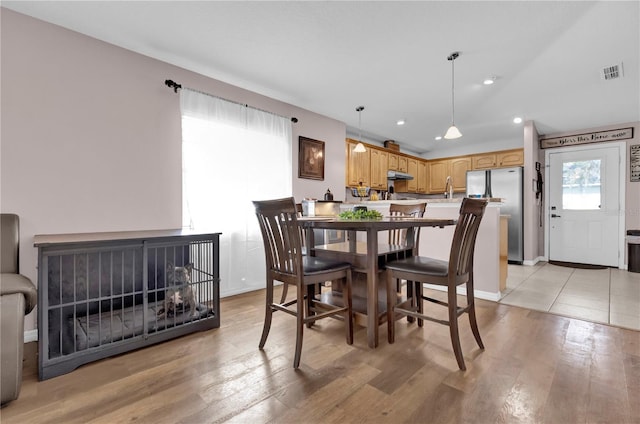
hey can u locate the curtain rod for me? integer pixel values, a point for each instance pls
(172, 84)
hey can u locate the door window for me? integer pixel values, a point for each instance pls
(581, 188)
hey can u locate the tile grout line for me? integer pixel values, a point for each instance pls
(561, 289)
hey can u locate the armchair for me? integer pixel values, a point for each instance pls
(18, 296)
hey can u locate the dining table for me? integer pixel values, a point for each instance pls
(367, 256)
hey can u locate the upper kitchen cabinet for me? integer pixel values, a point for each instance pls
(458, 168)
(402, 163)
(379, 167)
(484, 161)
(440, 169)
(510, 158)
(358, 165)
(502, 159)
(422, 176)
(393, 162)
(408, 186)
(438, 172)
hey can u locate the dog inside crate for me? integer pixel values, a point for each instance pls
(98, 298)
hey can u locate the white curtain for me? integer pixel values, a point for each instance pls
(232, 154)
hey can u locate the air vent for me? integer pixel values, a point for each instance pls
(612, 72)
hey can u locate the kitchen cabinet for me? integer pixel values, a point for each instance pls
(402, 163)
(358, 166)
(458, 168)
(484, 161)
(501, 159)
(379, 166)
(393, 162)
(510, 158)
(408, 186)
(412, 169)
(422, 176)
(438, 172)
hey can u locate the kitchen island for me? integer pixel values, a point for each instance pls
(436, 242)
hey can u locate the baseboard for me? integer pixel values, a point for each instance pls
(30, 336)
(535, 261)
(478, 294)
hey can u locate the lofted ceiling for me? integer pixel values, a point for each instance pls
(391, 57)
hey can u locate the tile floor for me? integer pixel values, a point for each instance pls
(610, 296)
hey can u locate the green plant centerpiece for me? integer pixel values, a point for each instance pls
(360, 214)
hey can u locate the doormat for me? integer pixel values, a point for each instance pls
(577, 265)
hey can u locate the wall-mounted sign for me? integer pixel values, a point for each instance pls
(635, 162)
(594, 137)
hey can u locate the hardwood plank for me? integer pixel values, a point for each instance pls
(537, 367)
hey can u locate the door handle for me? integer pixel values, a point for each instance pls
(553, 215)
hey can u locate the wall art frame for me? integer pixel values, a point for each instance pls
(310, 158)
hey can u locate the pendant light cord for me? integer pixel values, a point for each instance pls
(452, 58)
(360, 109)
(453, 107)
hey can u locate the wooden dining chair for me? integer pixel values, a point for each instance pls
(303, 238)
(286, 263)
(399, 236)
(456, 271)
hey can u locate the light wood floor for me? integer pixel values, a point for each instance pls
(537, 368)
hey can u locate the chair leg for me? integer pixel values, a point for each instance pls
(310, 295)
(419, 304)
(348, 314)
(268, 313)
(391, 322)
(285, 288)
(472, 315)
(410, 295)
(453, 327)
(300, 306)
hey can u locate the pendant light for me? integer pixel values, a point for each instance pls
(360, 147)
(453, 131)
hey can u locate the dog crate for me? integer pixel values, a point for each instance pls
(104, 294)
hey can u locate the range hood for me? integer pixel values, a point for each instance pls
(397, 175)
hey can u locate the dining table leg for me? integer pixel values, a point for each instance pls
(372, 289)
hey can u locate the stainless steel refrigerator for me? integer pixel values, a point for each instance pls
(506, 183)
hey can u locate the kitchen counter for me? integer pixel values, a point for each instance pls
(414, 201)
(436, 242)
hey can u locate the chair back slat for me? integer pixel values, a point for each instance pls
(399, 236)
(281, 235)
(464, 237)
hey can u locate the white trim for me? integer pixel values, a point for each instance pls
(535, 261)
(30, 336)
(485, 295)
(622, 166)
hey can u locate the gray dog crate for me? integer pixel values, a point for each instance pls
(103, 294)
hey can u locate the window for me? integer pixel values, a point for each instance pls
(581, 188)
(232, 155)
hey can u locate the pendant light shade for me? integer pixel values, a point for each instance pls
(453, 132)
(360, 147)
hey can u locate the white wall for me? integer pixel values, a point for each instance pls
(91, 138)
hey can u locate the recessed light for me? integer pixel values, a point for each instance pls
(400, 122)
(439, 137)
(489, 81)
(517, 120)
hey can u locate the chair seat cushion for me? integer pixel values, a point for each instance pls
(420, 264)
(314, 265)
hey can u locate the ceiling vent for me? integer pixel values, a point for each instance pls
(612, 72)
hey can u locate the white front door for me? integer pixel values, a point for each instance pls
(584, 213)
